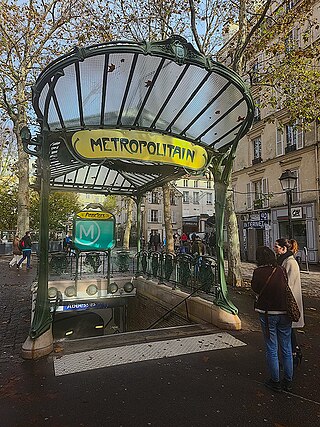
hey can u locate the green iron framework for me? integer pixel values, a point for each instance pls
(166, 89)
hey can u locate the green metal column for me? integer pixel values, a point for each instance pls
(42, 319)
(139, 200)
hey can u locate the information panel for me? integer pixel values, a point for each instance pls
(94, 231)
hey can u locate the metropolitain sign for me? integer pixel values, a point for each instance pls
(138, 145)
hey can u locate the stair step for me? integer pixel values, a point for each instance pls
(66, 346)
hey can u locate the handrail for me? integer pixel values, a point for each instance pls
(174, 307)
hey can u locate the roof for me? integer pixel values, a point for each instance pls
(125, 117)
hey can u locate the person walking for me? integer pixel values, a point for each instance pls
(16, 252)
(269, 282)
(25, 247)
(285, 251)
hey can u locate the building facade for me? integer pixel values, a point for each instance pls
(272, 146)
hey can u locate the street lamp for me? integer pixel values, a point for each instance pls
(288, 181)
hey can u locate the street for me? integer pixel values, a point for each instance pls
(222, 387)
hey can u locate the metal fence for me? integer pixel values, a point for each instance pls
(183, 270)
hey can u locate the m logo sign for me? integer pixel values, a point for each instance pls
(94, 231)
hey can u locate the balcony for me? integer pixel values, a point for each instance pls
(256, 160)
(289, 148)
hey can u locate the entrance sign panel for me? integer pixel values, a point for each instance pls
(138, 145)
(94, 231)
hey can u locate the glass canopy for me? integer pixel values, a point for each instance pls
(123, 117)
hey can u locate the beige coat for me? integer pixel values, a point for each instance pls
(293, 272)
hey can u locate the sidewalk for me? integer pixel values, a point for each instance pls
(223, 387)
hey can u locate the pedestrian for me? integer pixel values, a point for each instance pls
(197, 246)
(269, 282)
(16, 252)
(67, 243)
(285, 251)
(25, 247)
(151, 241)
(157, 241)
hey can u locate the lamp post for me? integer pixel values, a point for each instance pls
(288, 181)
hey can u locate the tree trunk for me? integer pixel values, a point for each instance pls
(234, 261)
(167, 218)
(23, 201)
(127, 230)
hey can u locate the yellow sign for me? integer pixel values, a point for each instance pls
(94, 215)
(138, 145)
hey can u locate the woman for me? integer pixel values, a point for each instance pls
(16, 252)
(269, 282)
(285, 251)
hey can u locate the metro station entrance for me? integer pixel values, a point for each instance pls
(123, 118)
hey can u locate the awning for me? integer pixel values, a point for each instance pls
(125, 117)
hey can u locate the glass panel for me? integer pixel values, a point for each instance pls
(119, 69)
(67, 95)
(91, 74)
(42, 98)
(144, 74)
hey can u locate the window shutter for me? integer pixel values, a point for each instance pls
(300, 138)
(149, 215)
(249, 195)
(160, 217)
(265, 193)
(279, 142)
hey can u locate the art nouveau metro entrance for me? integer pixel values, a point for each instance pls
(123, 118)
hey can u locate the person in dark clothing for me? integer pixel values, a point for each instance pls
(269, 282)
(25, 247)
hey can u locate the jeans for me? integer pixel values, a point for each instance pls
(26, 253)
(279, 334)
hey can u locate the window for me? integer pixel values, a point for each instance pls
(196, 184)
(155, 197)
(196, 197)
(258, 194)
(174, 217)
(153, 215)
(257, 112)
(293, 40)
(295, 192)
(279, 142)
(185, 183)
(209, 198)
(256, 151)
(209, 184)
(294, 138)
(172, 199)
(185, 197)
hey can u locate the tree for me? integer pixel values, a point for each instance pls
(127, 231)
(166, 191)
(8, 205)
(32, 33)
(62, 205)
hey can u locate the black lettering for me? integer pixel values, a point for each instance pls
(115, 143)
(153, 145)
(190, 153)
(170, 147)
(105, 143)
(134, 146)
(123, 144)
(177, 151)
(142, 144)
(96, 143)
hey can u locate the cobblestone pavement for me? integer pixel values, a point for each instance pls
(310, 281)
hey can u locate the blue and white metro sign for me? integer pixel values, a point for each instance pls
(94, 231)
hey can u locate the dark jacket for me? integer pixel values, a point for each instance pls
(27, 242)
(273, 298)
